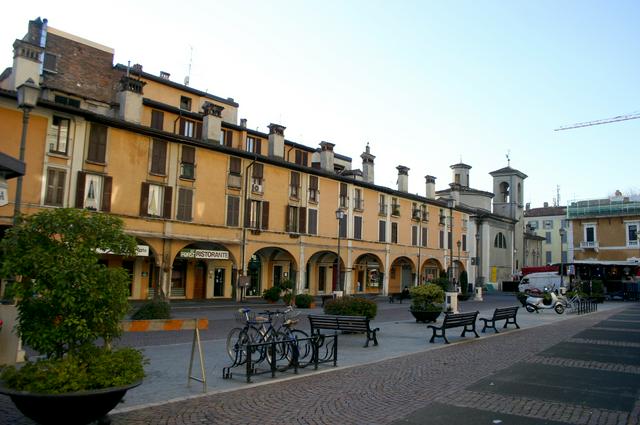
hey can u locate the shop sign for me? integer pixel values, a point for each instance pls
(141, 251)
(205, 254)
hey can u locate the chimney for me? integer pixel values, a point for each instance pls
(546, 205)
(326, 156)
(367, 165)
(164, 75)
(212, 122)
(137, 68)
(243, 122)
(431, 187)
(26, 63)
(276, 140)
(403, 178)
(527, 206)
(130, 98)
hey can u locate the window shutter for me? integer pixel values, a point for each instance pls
(159, 156)
(298, 157)
(414, 235)
(80, 189)
(157, 119)
(313, 222)
(234, 165)
(144, 200)
(265, 215)
(188, 154)
(357, 227)
(185, 198)
(233, 209)
(302, 220)
(228, 138)
(313, 182)
(343, 189)
(305, 158)
(166, 208)
(183, 124)
(287, 222)
(258, 146)
(97, 143)
(247, 213)
(198, 134)
(424, 236)
(257, 170)
(60, 187)
(381, 231)
(106, 193)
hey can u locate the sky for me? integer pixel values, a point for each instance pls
(427, 84)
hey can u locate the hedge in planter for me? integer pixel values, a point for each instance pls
(67, 301)
(351, 306)
(303, 300)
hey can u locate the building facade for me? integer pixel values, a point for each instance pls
(550, 223)
(218, 209)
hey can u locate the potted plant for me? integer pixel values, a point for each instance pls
(66, 302)
(304, 301)
(272, 294)
(286, 287)
(426, 302)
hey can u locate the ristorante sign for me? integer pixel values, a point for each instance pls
(205, 254)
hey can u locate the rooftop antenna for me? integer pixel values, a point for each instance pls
(188, 77)
(508, 158)
(558, 194)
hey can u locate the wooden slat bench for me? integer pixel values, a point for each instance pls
(398, 296)
(467, 320)
(508, 314)
(343, 323)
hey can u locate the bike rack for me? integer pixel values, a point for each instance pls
(281, 356)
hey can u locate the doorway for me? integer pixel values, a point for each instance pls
(218, 282)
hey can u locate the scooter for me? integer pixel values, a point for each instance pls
(534, 303)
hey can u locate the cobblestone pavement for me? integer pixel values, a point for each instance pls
(387, 391)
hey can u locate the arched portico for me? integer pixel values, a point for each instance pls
(321, 273)
(202, 270)
(431, 270)
(368, 274)
(268, 267)
(401, 274)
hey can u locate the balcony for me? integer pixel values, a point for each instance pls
(382, 210)
(395, 209)
(589, 245)
(358, 204)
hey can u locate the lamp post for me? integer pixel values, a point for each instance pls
(339, 217)
(450, 204)
(27, 98)
(478, 269)
(562, 235)
(458, 244)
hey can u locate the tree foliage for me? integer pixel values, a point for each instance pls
(66, 297)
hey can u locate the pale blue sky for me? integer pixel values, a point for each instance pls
(426, 83)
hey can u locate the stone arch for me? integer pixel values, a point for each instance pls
(269, 266)
(202, 270)
(401, 274)
(431, 269)
(322, 273)
(368, 274)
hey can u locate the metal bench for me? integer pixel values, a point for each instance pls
(508, 314)
(467, 320)
(343, 323)
(398, 296)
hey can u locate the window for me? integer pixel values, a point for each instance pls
(185, 204)
(256, 178)
(533, 224)
(63, 100)
(185, 103)
(157, 119)
(234, 178)
(394, 232)
(457, 178)
(395, 207)
(632, 234)
(313, 222)
(590, 233)
(294, 185)
(382, 205)
(547, 237)
(424, 236)
(343, 195)
(357, 227)
(159, 157)
(50, 62)
(415, 212)
(342, 227)
(190, 128)
(441, 240)
(313, 189)
(257, 215)
(302, 158)
(227, 138)
(93, 192)
(443, 218)
(358, 202)
(500, 241)
(58, 135)
(97, 143)
(187, 163)
(464, 242)
(254, 145)
(296, 219)
(233, 211)
(55, 187)
(382, 230)
(414, 235)
(547, 224)
(424, 213)
(547, 257)
(155, 200)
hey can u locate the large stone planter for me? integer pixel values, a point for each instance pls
(425, 316)
(76, 408)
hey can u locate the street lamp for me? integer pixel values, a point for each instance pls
(458, 244)
(478, 269)
(450, 204)
(27, 98)
(562, 235)
(339, 217)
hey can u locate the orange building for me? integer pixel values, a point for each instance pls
(208, 199)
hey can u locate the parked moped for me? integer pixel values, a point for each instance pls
(534, 303)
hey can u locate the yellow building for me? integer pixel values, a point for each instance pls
(208, 199)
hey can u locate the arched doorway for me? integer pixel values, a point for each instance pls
(202, 270)
(269, 267)
(368, 274)
(431, 270)
(321, 273)
(401, 274)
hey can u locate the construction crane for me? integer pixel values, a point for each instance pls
(598, 122)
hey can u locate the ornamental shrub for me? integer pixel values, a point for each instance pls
(351, 306)
(303, 300)
(427, 297)
(271, 294)
(154, 309)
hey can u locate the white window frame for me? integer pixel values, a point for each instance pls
(156, 200)
(631, 243)
(93, 188)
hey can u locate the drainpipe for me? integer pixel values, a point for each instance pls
(243, 271)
